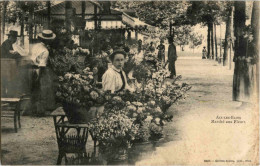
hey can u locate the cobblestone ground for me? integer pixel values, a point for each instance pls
(190, 139)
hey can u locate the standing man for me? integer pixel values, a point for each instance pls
(7, 50)
(9, 68)
(172, 57)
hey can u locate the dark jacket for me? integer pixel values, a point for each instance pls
(172, 53)
(6, 47)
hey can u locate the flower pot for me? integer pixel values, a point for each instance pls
(114, 154)
(79, 115)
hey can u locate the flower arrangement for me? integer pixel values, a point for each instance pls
(65, 60)
(79, 89)
(142, 72)
(114, 130)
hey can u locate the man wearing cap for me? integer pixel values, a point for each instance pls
(7, 50)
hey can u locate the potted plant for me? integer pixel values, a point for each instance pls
(78, 95)
(114, 132)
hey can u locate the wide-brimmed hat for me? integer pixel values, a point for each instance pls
(13, 33)
(47, 35)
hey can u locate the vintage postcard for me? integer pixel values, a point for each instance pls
(129, 82)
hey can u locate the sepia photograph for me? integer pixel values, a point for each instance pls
(127, 82)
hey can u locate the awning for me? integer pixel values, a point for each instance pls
(133, 22)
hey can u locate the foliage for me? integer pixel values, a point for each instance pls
(183, 34)
(205, 11)
(156, 13)
(142, 72)
(15, 9)
(196, 40)
(67, 60)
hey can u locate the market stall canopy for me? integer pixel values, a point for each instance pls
(117, 19)
(114, 19)
(58, 9)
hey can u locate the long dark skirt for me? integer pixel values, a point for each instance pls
(43, 91)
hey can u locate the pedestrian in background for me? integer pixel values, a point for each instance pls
(204, 53)
(172, 57)
(161, 51)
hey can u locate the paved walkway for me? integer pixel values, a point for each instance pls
(191, 138)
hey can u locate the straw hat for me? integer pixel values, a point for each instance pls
(47, 35)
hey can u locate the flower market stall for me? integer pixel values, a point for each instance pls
(117, 121)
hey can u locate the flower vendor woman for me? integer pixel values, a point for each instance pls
(43, 97)
(114, 79)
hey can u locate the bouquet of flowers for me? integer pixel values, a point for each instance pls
(78, 89)
(114, 130)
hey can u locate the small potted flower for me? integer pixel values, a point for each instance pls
(114, 132)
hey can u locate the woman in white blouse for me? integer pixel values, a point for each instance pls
(43, 96)
(114, 79)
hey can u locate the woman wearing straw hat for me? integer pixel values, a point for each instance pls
(42, 82)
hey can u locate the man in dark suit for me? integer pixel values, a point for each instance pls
(9, 68)
(172, 57)
(7, 50)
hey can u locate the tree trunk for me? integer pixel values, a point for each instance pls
(220, 44)
(216, 43)
(212, 41)
(240, 78)
(3, 20)
(208, 41)
(254, 54)
(49, 13)
(227, 36)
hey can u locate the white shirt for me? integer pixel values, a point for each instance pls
(111, 80)
(40, 54)
(139, 57)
